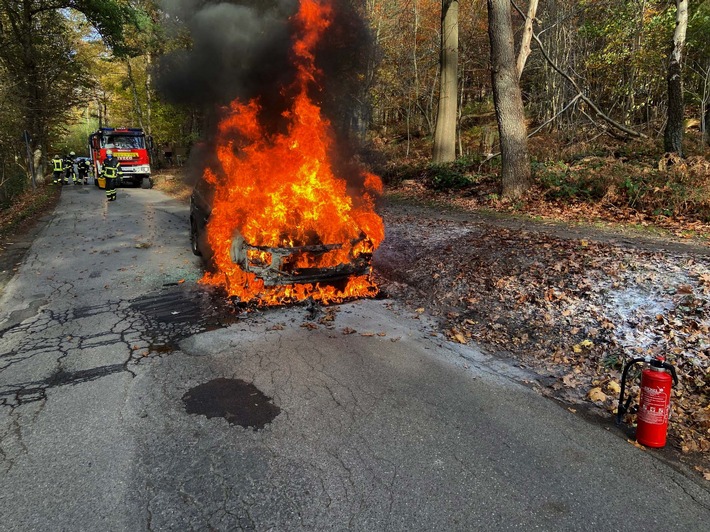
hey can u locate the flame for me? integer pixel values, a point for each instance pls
(279, 191)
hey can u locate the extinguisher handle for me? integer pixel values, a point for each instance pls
(660, 363)
(671, 368)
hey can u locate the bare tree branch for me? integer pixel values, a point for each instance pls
(527, 36)
(581, 94)
(570, 104)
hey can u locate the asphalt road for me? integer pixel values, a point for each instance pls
(375, 421)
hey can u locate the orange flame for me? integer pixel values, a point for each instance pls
(279, 191)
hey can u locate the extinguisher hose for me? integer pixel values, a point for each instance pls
(622, 408)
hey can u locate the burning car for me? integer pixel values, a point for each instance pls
(280, 215)
(285, 264)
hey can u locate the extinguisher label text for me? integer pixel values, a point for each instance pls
(654, 406)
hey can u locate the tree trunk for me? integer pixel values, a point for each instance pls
(673, 135)
(134, 90)
(445, 134)
(149, 95)
(508, 101)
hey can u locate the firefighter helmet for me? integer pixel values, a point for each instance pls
(72, 154)
(109, 153)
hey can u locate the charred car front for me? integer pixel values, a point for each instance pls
(279, 265)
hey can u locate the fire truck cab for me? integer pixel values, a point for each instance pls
(130, 146)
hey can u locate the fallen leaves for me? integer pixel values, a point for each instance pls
(581, 346)
(569, 308)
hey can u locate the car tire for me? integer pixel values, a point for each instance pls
(193, 238)
(147, 183)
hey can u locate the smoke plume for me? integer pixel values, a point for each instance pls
(232, 50)
(241, 49)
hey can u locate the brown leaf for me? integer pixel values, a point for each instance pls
(570, 381)
(613, 387)
(597, 395)
(685, 289)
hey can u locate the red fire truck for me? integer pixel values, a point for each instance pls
(130, 145)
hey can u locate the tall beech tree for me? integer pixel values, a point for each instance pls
(508, 101)
(445, 133)
(673, 134)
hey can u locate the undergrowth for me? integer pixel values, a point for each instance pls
(27, 207)
(635, 176)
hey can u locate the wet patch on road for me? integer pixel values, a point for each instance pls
(30, 392)
(175, 313)
(237, 401)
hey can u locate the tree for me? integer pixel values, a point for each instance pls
(445, 133)
(673, 134)
(36, 52)
(508, 101)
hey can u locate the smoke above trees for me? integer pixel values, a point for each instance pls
(242, 50)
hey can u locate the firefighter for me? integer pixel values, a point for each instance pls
(83, 166)
(112, 172)
(58, 165)
(69, 168)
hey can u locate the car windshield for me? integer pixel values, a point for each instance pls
(123, 142)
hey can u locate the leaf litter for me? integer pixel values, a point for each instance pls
(574, 310)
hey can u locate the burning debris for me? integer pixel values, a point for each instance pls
(289, 218)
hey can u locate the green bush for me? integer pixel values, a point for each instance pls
(448, 177)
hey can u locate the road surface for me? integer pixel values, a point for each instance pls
(123, 384)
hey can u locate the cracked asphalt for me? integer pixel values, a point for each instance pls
(383, 424)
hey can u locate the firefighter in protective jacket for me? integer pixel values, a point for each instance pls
(58, 167)
(83, 166)
(112, 172)
(69, 168)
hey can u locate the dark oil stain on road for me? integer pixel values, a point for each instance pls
(237, 401)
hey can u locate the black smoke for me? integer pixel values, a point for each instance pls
(230, 50)
(241, 49)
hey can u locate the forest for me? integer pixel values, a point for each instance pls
(604, 103)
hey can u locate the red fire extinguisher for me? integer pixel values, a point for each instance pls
(654, 403)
